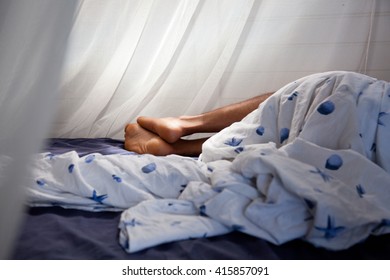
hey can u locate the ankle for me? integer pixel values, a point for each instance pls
(191, 124)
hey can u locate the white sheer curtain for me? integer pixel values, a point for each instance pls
(176, 57)
(33, 39)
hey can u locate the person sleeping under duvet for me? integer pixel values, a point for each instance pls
(310, 161)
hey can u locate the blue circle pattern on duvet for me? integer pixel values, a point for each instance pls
(334, 162)
(284, 134)
(326, 108)
(260, 130)
(71, 168)
(149, 168)
(90, 158)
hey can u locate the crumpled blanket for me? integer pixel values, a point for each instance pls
(312, 162)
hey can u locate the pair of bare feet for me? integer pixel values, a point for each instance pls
(161, 136)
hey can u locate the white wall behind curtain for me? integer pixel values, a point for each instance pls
(176, 57)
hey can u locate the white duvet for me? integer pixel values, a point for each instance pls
(312, 162)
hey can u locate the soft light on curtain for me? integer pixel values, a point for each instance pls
(176, 57)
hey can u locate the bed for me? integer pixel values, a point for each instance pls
(58, 233)
(277, 185)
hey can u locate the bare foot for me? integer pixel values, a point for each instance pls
(169, 129)
(142, 141)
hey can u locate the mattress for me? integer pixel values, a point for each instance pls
(58, 233)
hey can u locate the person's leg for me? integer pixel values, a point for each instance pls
(142, 141)
(162, 136)
(172, 129)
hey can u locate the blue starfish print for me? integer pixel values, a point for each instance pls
(331, 231)
(234, 142)
(324, 176)
(98, 198)
(381, 114)
(291, 97)
(360, 190)
(41, 182)
(116, 178)
(133, 223)
(239, 150)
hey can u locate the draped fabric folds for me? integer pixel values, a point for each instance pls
(180, 57)
(33, 40)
